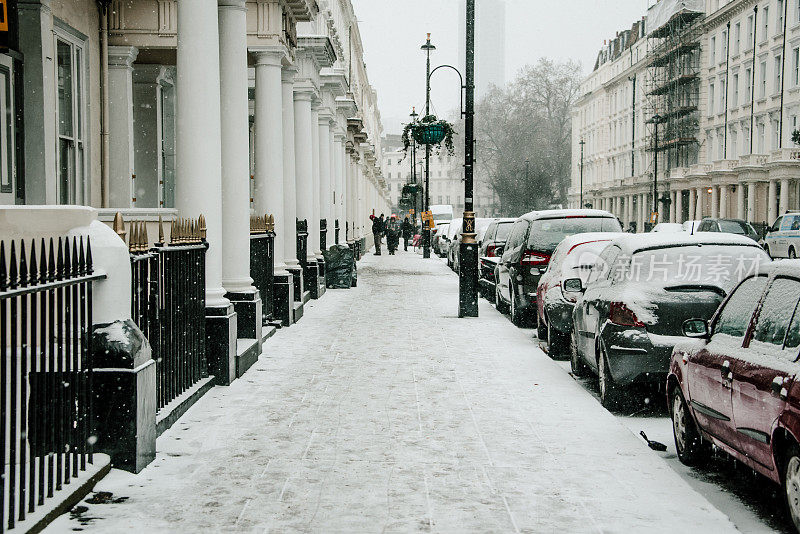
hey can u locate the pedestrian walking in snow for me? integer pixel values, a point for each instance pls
(408, 232)
(377, 232)
(392, 234)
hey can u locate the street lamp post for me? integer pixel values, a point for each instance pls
(582, 143)
(426, 231)
(656, 120)
(414, 116)
(468, 258)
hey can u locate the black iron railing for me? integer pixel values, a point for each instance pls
(336, 231)
(46, 431)
(168, 303)
(323, 234)
(302, 243)
(262, 262)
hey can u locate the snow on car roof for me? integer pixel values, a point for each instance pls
(556, 214)
(638, 242)
(572, 241)
(782, 268)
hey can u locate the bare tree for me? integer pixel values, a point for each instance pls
(529, 121)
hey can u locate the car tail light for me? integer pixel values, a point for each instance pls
(491, 251)
(621, 315)
(535, 259)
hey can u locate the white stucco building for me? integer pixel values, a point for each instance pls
(711, 72)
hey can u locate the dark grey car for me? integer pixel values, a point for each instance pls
(639, 293)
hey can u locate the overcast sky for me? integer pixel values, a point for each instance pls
(393, 31)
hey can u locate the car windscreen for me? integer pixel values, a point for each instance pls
(717, 265)
(732, 227)
(546, 234)
(503, 229)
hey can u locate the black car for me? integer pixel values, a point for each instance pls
(638, 295)
(728, 226)
(531, 242)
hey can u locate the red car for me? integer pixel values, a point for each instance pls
(736, 384)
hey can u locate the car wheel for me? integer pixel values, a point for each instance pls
(610, 396)
(516, 313)
(792, 253)
(501, 306)
(579, 368)
(688, 442)
(791, 483)
(556, 342)
(541, 333)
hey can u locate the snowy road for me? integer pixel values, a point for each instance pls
(381, 411)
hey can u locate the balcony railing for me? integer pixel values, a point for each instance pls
(46, 431)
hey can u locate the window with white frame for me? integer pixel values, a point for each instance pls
(763, 89)
(765, 31)
(733, 153)
(735, 92)
(737, 37)
(711, 95)
(761, 137)
(778, 69)
(750, 35)
(779, 27)
(71, 115)
(724, 45)
(712, 52)
(748, 81)
(776, 129)
(722, 92)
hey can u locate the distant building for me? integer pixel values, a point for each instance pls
(490, 44)
(446, 178)
(724, 127)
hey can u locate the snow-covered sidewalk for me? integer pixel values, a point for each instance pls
(382, 411)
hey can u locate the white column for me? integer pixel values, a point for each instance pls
(772, 199)
(269, 148)
(326, 165)
(350, 195)
(714, 201)
(701, 200)
(235, 146)
(751, 201)
(741, 209)
(341, 177)
(679, 206)
(723, 200)
(692, 204)
(314, 223)
(784, 205)
(289, 222)
(672, 207)
(198, 180)
(304, 160)
(122, 192)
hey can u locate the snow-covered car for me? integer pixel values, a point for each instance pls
(640, 291)
(449, 236)
(491, 249)
(481, 224)
(530, 244)
(574, 257)
(728, 226)
(736, 385)
(436, 236)
(667, 228)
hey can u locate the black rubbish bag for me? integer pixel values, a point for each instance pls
(340, 267)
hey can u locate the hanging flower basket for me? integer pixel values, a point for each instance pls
(410, 190)
(430, 131)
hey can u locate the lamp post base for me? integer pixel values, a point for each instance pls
(468, 280)
(426, 243)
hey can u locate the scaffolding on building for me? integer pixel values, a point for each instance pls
(672, 83)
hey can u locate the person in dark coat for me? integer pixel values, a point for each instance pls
(392, 234)
(408, 232)
(377, 232)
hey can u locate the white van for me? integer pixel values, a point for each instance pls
(441, 212)
(783, 237)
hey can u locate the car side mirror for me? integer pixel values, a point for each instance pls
(573, 285)
(696, 328)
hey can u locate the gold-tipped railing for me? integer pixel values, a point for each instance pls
(262, 224)
(183, 231)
